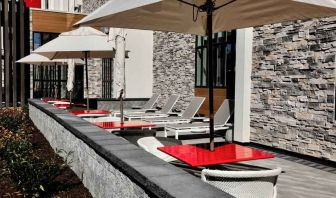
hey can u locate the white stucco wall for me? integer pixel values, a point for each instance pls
(243, 85)
(139, 65)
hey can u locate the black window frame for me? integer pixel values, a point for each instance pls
(47, 80)
(227, 40)
(107, 78)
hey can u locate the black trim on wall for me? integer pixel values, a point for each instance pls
(291, 153)
(16, 33)
(226, 66)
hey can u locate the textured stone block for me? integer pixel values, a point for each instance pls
(304, 60)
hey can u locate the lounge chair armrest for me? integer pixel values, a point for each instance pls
(151, 110)
(173, 114)
(229, 124)
(198, 119)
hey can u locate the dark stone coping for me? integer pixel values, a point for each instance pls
(157, 177)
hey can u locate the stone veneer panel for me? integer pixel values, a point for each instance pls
(94, 65)
(174, 66)
(293, 87)
(95, 78)
(98, 175)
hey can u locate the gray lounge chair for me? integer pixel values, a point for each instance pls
(185, 117)
(221, 119)
(150, 114)
(149, 105)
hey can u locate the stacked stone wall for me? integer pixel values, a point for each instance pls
(94, 65)
(293, 87)
(174, 66)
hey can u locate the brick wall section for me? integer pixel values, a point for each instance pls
(174, 66)
(293, 87)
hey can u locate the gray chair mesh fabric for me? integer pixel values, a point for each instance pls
(150, 103)
(169, 104)
(224, 112)
(244, 184)
(221, 117)
(193, 107)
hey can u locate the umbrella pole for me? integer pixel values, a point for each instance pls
(87, 80)
(209, 9)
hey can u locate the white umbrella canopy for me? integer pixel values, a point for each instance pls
(71, 75)
(74, 44)
(84, 42)
(176, 16)
(36, 59)
(204, 17)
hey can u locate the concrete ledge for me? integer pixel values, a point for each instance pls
(109, 165)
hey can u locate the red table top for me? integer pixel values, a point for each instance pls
(127, 124)
(55, 100)
(68, 105)
(97, 111)
(199, 155)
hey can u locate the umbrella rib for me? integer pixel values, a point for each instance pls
(193, 5)
(225, 4)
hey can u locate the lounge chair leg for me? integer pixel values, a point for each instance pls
(228, 135)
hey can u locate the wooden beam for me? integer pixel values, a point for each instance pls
(7, 51)
(14, 68)
(61, 22)
(22, 52)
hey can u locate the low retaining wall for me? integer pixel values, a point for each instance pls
(110, 166)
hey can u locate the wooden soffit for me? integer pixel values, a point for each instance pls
(55, 22)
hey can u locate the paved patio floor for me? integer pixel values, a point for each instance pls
(301, 178)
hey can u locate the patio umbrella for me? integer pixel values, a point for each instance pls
(118, 36)
(37, 59)
(84, 42)
(204, 17)
(71, 77)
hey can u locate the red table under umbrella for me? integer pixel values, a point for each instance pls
(200, 155)
(90, 113)
(65, 106)
(54, 100)
(128, 124)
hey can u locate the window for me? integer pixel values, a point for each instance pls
(107, 77)
(224, 46)
(46, 4)
(48, 81)
(40, 38)
(37, 40)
